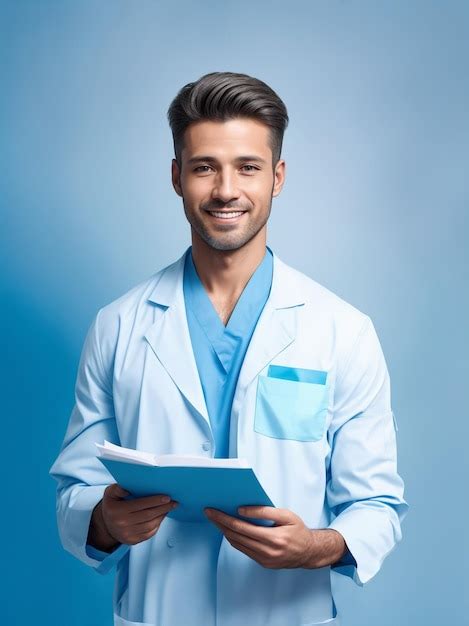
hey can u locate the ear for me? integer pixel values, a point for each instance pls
(176, 177)
(279, 177)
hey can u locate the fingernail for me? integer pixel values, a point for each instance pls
(165, 499)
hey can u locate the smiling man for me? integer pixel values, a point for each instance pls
(230, 352)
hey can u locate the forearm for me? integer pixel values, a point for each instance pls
(98, 536)
(326, 548)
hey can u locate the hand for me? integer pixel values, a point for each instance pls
(288, 544)
(116, 520)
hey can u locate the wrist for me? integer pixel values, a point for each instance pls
(98, 535)
(326, 548)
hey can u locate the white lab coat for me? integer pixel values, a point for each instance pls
(138, 386)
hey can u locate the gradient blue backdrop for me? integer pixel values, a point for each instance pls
(375, 207)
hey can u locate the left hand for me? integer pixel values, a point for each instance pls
(288, 544)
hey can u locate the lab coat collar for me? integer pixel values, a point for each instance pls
(285, 291)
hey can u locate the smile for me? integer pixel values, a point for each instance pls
(226, 215)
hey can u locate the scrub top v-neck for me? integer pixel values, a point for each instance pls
(219, 350)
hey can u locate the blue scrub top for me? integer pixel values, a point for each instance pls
(219, 350)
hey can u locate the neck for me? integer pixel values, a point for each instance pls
(224, 273)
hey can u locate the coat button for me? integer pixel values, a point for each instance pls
(206, 445)
(171, 542)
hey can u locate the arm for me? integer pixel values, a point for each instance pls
(81, 477)
(364, 490)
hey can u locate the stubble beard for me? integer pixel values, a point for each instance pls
(230, 240)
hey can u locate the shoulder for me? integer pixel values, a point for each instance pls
(346, 330)
(121, 314)
(319, 298)
(325, 318)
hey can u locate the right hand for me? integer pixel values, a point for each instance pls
(127, 521)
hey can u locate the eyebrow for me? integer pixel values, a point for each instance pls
(210, 159)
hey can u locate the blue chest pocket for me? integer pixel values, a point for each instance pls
(291, 403)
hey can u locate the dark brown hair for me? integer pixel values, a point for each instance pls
(227, 95)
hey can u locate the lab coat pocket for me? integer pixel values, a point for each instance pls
(290, 409)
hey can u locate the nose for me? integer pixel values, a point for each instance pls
(225, 187)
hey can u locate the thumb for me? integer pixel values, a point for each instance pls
(281, 517)
(115, 492)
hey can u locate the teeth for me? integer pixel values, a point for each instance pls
(226, 214)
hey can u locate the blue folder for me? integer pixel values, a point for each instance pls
(194, 488)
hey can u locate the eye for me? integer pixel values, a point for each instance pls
(201, 169)
(252, 167)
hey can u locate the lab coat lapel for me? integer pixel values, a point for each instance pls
(170, 339)
(275, 329)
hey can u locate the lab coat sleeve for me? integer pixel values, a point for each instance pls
(81, 477)
(364, 491)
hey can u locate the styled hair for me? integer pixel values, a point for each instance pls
(222, 96)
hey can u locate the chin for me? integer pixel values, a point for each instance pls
(229, 242)
(225, 245)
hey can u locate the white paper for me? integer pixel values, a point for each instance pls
(128, 455)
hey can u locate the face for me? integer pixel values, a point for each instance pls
(227, 181)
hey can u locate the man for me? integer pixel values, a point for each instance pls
(230, 352)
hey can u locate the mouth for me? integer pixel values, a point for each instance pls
(226, 216)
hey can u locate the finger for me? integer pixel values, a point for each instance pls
(134, 539)
(145, 527)
(146, 515)
(257, 547)
(142, 532)
(228, 522)
(136, 534)
(280, 516)
(148, 535)
(147, 502)
(247, 551)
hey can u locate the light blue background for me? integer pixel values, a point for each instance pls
(375, 207)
